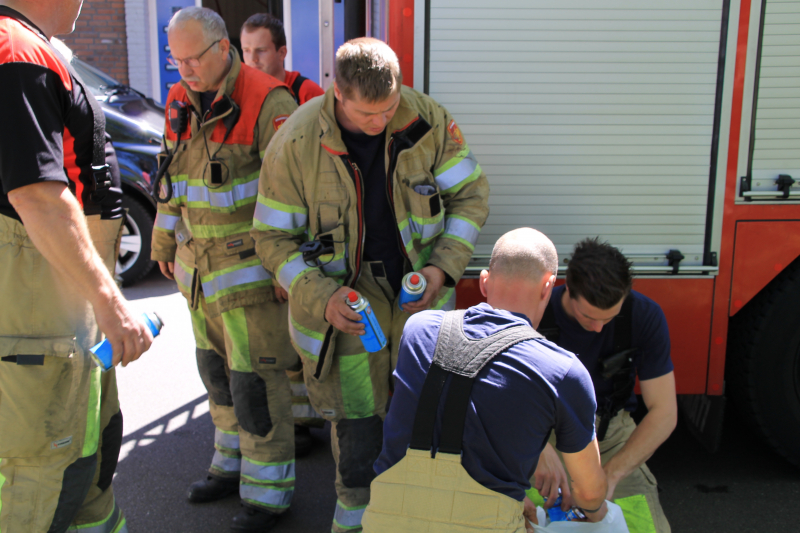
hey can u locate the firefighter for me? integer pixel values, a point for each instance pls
(264, 47)
(482, 391)
(208, 182)
(375, 180)
(618, 334)
(60, 217)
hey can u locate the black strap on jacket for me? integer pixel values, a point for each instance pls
(101, 183)
(460, 358)
(617, 366)
(296, 84)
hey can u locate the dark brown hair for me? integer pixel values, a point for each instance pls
(598, 272)
(267, 21)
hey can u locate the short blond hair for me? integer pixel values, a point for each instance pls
(368, 68)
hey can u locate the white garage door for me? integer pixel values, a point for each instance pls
(590, 118)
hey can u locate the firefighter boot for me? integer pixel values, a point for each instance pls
(212, 488)
(250, 520)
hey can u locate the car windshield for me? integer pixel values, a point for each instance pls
(97, 80)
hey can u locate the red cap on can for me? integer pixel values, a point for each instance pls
(353, 297)
(414, 279)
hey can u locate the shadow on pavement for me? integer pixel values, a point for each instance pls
(160, 461)
(153, 285)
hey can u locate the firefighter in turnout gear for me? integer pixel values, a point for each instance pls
(374, 180)
(220, 119)
(618, 334)
(60, 221)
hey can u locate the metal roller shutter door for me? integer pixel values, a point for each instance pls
(589, 118)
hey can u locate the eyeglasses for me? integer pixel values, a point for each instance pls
(191, 61)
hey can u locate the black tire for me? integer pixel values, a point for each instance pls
(763, 369)
(134, 263)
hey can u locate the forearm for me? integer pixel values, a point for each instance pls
(56, 226)
(653, 430)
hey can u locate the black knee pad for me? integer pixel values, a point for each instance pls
(250, 402)
(212, 371)
(360, 441)
(110, 444)
(74, 488)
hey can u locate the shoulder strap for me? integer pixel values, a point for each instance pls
(296, 84)
(623, 326)
(102, 178)
(463, 358)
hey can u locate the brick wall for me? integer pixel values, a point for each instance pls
(100, 38)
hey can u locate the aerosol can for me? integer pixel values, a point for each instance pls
(412, 288)
(373, 338)
(102, 352)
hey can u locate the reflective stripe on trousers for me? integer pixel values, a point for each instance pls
(227, 457)
(114, 523)
(348, 517)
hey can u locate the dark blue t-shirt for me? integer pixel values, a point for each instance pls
(517, 399)
(649, 333)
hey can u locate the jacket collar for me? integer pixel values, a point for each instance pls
(331, 138)
(227, 86)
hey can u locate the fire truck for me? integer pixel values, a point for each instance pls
(670, 128)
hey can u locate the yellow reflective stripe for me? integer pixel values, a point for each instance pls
(307, 342)
(272, 215)
(234, 279)
(220, 231)
(637, 514)
(457, 172)
(92, 415)
(235, 323)
(348, 517)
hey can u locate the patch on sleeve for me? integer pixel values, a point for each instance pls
(455, 132)
(278, 121)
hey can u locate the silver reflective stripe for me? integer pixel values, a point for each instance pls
(291, 270)
(405, 233)
(335, 266)
(271, 473)
(463, 229)
(300, 410)
(457, 173)
(225, 440)
(266, 496)
(229, 198)
(250, 274)
(346, 518)
(279, 219)
(107, 525)
(449, 304)
(167, 222)
(299, 389)
(226, 464)
(309, 344)
(179, 188)
(426, 231)
(182, 277)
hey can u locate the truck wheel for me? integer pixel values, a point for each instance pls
(763, 368)
(134, 262)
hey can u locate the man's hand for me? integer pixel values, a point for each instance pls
(550, 476)
(339, 315)
(435, 278)
(168, 269)
(282, 295)
(529, 512)
(128, 336)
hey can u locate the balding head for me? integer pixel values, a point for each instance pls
(521, 273)
(524, 253)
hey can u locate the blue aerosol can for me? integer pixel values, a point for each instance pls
(412, 288)
(556, 514)
(373, 339)
(102, 352)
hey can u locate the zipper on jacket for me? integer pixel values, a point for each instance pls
(390, 195)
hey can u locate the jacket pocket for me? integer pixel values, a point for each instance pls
(425, 216)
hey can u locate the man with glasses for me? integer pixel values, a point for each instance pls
(220, 119)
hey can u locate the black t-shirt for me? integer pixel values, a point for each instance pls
(206, 99)
(380, 227)
(48, 125)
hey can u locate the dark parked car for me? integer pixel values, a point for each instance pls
(135, 124)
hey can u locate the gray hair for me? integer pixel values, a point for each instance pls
(524, 253)
(213, 26)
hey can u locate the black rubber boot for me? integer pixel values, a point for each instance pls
(303, 441)
(250, 520)
(212, 489)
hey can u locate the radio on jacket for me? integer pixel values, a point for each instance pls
(102, 353)
(412, 288)
(373, 339)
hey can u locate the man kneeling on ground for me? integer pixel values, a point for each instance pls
(477, 394)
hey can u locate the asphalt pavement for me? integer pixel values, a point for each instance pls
(168, 444)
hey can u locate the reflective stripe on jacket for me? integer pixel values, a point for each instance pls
(309, 188)
(205, 228)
